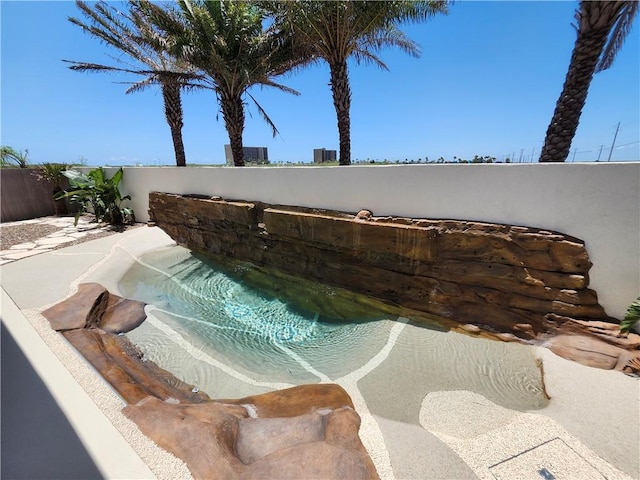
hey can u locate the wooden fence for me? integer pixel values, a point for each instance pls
(23, 196)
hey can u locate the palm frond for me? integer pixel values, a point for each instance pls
(365, 56)
(420, 11)
(619, 34)
(264, 115)
(112, 27)
(392, 37)
(96, 67)
(9, 155)
(267, 82)
(131, 33)
(141, 85)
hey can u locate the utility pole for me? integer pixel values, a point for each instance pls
(600, 153)
(532, 152)
(513, 157)
(614, 141)
(521, 151)
(574, 155)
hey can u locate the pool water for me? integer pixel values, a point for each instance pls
(230, 340)
(246, 328)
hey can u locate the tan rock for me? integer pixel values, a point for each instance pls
(218, 441)
(588, 351)
(83, 308)
(632, 366)
(470, 328)
(124, 367)
(93, 306)
(342, 427)
(312, 461)
(294, 401)
(122, 315)
(203, 436)
(259, 437)
(364, 215)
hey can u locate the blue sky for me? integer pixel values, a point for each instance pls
(487, 83)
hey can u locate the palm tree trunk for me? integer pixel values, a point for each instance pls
(173, 113)
(563, 126)
(233, 114)
(342, 102)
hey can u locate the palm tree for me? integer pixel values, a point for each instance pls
(133, 36)
(335, 31)
(9, 156)
(602, 27)
(225, 39)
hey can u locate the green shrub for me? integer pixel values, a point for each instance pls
(96, 193)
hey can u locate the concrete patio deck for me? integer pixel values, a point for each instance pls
(57, 426)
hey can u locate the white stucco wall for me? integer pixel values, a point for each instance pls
(596, 202)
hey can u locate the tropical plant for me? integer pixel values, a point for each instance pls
(335, 31)
(99, 194)
(12, 157)
(132, 35)
(225, 39)
(631, 317)
(602, 27)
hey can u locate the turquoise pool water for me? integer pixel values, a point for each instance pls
(249, 329)
(230, 340)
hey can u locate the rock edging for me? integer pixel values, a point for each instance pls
(309, 431)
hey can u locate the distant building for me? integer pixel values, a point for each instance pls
(257, 155)
(321, 155)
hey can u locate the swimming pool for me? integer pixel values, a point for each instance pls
(230, 340)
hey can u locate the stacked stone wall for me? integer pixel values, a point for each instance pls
(504, 279)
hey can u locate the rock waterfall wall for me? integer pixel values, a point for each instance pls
(510, 280)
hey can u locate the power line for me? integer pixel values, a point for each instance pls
(572, 154)
(630, 143)
(614, 141)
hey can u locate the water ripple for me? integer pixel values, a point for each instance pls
(268, 339)
(218, 314)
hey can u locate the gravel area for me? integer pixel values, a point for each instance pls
(11, 235)
(103, 233)
(18, 233)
